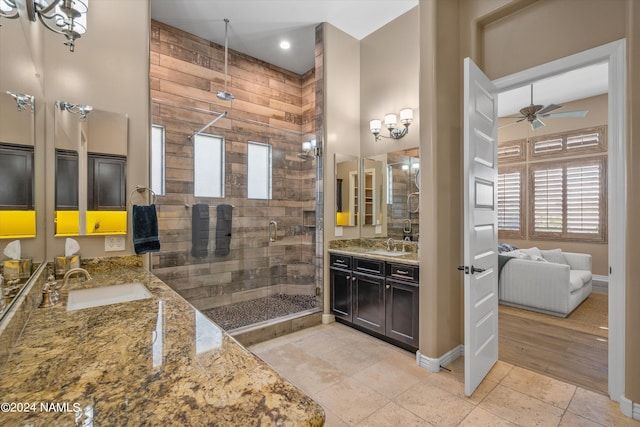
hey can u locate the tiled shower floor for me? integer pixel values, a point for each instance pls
(246, 313)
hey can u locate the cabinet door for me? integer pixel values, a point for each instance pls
(341, 286)
(368, 310)
(402, 312)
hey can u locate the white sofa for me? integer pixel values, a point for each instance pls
(552, 282)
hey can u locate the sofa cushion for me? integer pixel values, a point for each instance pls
(534, 252)
(521, 254)
(578, 278)
(555, 256)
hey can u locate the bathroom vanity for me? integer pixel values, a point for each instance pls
(377, 292)
(151, 361)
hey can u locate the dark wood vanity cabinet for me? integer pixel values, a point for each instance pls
(376, 296)
(402, 304)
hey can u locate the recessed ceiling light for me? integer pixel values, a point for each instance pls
(285, 44)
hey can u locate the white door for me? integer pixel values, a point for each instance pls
(480, 226)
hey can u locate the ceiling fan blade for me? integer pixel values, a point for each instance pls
(537, 123)
(578, 113)
(509, 124)
(549, 108)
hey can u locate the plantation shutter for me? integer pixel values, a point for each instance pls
(583, 199)
(509, 201)
(547, 200)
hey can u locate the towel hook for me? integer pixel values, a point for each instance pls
(140, 189)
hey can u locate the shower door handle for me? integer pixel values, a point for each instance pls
(273, 231)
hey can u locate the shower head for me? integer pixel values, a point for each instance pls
(306, 156)
(226, 96)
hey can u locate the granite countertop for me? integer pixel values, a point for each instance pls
(409, 258)
(156, 361)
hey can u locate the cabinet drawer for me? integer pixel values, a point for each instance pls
(404, 272)
(368, 266)
(340, 261)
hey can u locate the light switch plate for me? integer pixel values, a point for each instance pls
(338, 231)
(378, 229)
(114, 243)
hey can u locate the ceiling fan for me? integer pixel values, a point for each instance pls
(533, 112)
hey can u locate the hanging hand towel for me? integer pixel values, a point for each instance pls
(200, 230)
(223, 229)
(145, 229)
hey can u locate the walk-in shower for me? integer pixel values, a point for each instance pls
(269, 272)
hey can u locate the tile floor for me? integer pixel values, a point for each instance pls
(362, 381)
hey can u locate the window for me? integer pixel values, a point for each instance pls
(569, 200)
(510, 202)
(157, 160)
(208, 166)
(258, 171)
(581, 141)
(16, 175)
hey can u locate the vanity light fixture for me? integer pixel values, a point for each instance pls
(309, 149)
(23, 100)
(66, 17)
(8, 9)
(390, 122)
(79, 109)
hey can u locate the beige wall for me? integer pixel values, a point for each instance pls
(597, 116)
(341, 116)
(632, 371)
(389, 71)
(498, 40)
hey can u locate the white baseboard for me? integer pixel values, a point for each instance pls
(434, 365)
(636, 411)
(600, 284)
(328, 318)
(626, 406)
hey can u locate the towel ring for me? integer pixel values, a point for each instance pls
(140, 189)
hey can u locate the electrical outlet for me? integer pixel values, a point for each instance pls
(114, 243)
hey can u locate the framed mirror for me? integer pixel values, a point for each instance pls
(372, 192)
(403, 193)
(347, 185)
(17, 145)
(91, 162)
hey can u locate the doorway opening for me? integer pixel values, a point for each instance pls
(614, 55)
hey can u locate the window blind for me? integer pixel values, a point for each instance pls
(583, 199)
(509, 201)
(548, 200)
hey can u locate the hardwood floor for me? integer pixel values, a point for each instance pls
(555, 346)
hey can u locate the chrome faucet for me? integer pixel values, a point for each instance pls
(65, 279)
(389, 243)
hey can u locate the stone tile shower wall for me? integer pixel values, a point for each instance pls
(186, 74)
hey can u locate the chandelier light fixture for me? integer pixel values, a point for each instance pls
(390, 122)
(79, 109)
(66, 17)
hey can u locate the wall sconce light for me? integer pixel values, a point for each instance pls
(23, 100)
(79, 109)
(66, 17)
(390, 122)
(8, 9)
(310, 149)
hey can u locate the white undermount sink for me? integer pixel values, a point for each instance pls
(106, 295)
(387, 253)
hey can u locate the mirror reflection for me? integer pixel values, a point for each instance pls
(346, 168)
(372, 188)
(17, 127)
(403, 194)
(91, 160)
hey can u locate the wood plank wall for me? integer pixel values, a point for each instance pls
(186, 74)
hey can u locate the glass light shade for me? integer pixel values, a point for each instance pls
(4, 7)
(405, 167)
(390, 120)
(306, 146)
(313, 143)
(375, 126)
(406, 115)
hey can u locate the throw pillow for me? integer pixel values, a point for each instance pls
(534, 252)
(555, 256)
